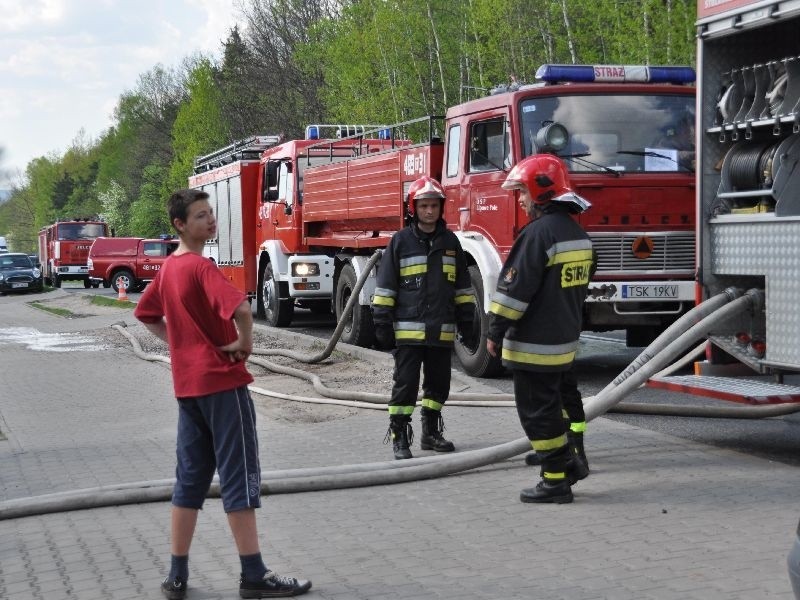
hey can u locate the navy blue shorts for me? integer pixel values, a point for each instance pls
(218, 433)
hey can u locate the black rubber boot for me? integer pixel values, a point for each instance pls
(548, 492)
(432, 428)
(401, 434)
(576, 446)
(532, 459)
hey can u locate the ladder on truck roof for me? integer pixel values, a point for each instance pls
(249, 148)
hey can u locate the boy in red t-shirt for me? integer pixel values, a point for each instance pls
(208, 325)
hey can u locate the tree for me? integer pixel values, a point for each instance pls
(148, 214)
(198, 126)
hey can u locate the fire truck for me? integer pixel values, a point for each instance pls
(749, 195)
(64, 249)
(316, 209)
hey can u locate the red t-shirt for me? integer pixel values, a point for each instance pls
(198, 304)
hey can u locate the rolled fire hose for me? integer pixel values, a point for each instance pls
(347, 476)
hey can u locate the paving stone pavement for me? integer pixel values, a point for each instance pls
(659, 517)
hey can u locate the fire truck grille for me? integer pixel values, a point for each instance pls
(672, 253)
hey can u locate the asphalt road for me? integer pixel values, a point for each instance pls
(601, 358)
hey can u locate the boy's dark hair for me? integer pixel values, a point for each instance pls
(178, 203)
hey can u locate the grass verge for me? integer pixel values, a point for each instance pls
(106, 301)
(61, 312)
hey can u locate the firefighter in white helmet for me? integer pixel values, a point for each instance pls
(536, 315)
(423, 294)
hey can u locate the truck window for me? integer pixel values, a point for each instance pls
(627, 132)
(80, 231)
(152, 248)
(488, 146)
(453, 150)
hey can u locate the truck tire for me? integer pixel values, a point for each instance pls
(56, 281)
(477, 361)
(359, 330)
(87, 284)
(123, 275)
(277, 311)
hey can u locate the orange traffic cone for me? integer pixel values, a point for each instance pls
(122, 295)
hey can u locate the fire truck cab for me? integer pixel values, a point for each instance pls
(627, 137)
(64, 249)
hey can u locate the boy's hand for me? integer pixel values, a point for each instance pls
(237, 351)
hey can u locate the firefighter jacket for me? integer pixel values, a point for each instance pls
(537, 308)
(423, 286)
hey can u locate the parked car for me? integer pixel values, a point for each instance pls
(130, 261)
(18, 274)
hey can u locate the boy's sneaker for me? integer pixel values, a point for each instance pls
(174, 589)
(273, 586)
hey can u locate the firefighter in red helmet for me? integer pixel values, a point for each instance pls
(423, 297)
(536, 315)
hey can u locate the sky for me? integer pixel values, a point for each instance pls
(65, 63)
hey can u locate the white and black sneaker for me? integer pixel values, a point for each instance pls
(273, 585)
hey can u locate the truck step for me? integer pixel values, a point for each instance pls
(747, 391)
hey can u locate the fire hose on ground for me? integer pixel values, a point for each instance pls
(685, 332)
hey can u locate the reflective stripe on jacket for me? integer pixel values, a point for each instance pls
(537, 307)
(423, 286)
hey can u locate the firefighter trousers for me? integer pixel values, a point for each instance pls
(435, 363)
(572, 401)
(540, 410)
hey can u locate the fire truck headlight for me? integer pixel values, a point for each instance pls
(553, 137)
(305, 270)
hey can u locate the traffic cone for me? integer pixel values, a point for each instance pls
(122, 295)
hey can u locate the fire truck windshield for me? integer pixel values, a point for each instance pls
(621, 132)
(80, 231)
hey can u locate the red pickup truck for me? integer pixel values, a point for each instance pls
(132, 261)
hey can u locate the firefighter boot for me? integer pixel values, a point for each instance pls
(401, 434)
(432, 428)
(577, 443)
(577, 465)
(548, 491)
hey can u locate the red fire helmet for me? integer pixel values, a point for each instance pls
(546, 178)
(424, 187)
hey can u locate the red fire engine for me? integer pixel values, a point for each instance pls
(64, 249)
(748, 201)
(316, 210)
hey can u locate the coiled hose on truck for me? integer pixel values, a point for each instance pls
(686, 331)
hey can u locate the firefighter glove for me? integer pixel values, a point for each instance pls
(384, 336)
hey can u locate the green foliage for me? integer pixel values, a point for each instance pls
(148, 214)
(198, 127)
(116, 209)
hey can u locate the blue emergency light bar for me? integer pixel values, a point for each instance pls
(615, 74)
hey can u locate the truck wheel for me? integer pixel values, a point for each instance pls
(278, 312)
(87, 284)
(56, 281)
(359, 330)
(477, 361)
(123, 276)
